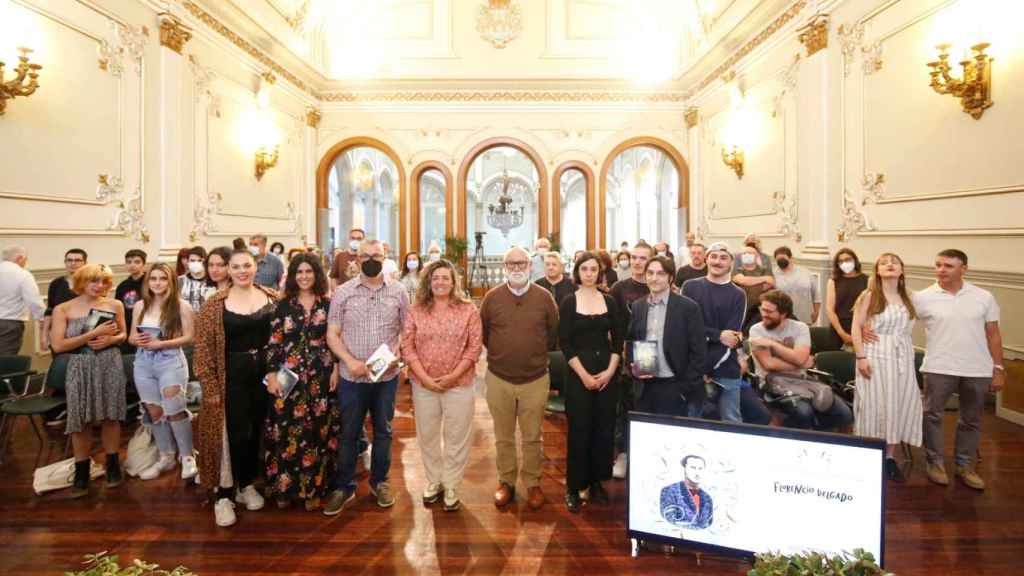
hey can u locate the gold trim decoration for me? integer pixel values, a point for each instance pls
(854, 221)
(127, 42)
(973, 88)
(313, 117)
(205, 17)
(268, 77)
(814, 34)
(776, 25)
(733, 158)
(265, 160)
(173, 33)
(851, 40)
(504, 96)
(128, 218)
(874, 188)
(499, 22)
(16, 86)
(692, 116)
(108, 187)
(203, 216)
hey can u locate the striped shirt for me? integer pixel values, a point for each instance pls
(368, 316)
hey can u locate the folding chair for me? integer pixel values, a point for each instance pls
(31, 404)
(557, 368)
(838, 368)
(822, 340)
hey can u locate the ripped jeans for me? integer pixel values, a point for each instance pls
(160, 378)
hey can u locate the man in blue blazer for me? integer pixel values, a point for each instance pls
(685, 504)
(677, 324)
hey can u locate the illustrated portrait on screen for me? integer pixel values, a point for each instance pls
(686, 504)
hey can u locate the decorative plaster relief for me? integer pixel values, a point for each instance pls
(126, 42)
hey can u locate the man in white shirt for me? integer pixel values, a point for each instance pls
(964, 354)
(798, 283)
(18, 292)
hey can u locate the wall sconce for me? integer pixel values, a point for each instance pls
(10, 89)
(974, 89)
(265, 160)
(733, 158)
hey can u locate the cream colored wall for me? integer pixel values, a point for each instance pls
(949, 180)
(146, 122)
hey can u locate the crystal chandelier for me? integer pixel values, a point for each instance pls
(499, 22)
(503, 216)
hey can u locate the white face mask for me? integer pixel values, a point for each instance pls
(847, 266)
(353, 245)
(196, 268)
(254, 250)
(660, 253)
(434, 256)
(747, 259)
(517, 278)
(413, 264)
(624, 264)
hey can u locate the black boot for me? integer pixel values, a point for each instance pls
(80, 487)
(598, 495)
(573, 501)
(113, 471)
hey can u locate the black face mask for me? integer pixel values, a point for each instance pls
(783, 263)
(371, 268)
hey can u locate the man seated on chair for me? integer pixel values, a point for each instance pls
(685, 504)
(783, 345)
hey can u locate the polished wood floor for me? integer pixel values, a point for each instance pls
(930, 529)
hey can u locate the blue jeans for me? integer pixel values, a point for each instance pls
(356, 399)
(803, 415)
(729, 399)
(156, 371)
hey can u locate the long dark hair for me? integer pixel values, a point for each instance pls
(405, 263)
(291, 285)
(222, 252)
(837, 272)
(179, 268)
(586, 257)
(170, 312)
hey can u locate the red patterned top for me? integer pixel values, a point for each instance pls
(440, 338)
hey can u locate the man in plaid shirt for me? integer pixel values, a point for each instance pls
(365, 313)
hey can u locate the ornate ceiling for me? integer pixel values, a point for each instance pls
(341, 45)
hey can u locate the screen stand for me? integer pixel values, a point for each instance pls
(635, 544)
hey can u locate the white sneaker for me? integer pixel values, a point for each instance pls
(620, 467)
(224, 512)
(250, 497)
(189, 468)
(432, 493)
(367, 457)
(451, 500)
(165, 463)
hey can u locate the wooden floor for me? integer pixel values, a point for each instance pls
(930, 529)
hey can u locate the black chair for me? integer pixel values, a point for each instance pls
(32, 404)
(823, 341)
(15, 372)
(838, 368)
(557, 368)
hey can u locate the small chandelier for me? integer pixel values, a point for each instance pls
(499, 22)
(503, 216)
(362, 177)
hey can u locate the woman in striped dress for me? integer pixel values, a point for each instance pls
(887, 401)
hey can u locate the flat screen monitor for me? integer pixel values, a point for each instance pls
(742, 489)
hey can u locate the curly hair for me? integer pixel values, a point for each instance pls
(425, 295)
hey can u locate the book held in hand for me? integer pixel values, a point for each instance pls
(97, 317)
(287, 380)
(645, 358)
(379, 361)
(154, 332)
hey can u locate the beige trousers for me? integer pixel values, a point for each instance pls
(448, 415)
(523, 404)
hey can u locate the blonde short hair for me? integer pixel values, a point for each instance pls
(92, 273)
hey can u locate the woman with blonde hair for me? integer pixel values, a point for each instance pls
(441, 341)
(91, 326)
(887, 402)
(161, 326)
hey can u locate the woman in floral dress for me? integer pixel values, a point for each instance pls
(302, 427)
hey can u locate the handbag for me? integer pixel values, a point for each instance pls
(142, 452)
(60, 475)
(805, 387)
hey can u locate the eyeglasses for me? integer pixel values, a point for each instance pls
(378, 257)
(517, 264)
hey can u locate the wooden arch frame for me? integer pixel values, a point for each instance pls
(414, 198)
(542, 176)
(556, 197)
(323, 172)
(682, 168)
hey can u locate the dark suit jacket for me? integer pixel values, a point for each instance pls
(683, 339)
(677, 507)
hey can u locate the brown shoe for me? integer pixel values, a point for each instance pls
(503, 495)
(535, 498)
(937, 474)
(970, 478)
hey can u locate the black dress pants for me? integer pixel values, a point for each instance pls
(245, 410)
(591, 433)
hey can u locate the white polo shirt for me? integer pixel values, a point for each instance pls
(954, 325)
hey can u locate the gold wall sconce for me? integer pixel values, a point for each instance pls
(733, 158)
(17, 86)
(265, 160)
(974, 89)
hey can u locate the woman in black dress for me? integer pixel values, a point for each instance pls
(844, 287)
(590, 334)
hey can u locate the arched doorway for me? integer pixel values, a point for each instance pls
(637, 175)
(572, 207)
(431, 202)
(360, 183)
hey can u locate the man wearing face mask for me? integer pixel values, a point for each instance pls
(753, 241)
(662, 249)
(193, 283)
(365, 313)
(697, 268)
(540, 248)
(269, 268)
(433, 252)
(520, 326)
(340, 268)
(799, 285)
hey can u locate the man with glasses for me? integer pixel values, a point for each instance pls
(520, 326)
(366, 312)
(345, 259)
(625, 292)
(60, 290)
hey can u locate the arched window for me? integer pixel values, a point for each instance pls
(431, 194)
(363, 191)
(573, 185)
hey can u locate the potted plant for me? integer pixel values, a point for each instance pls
(101, 564)
(858, 563)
